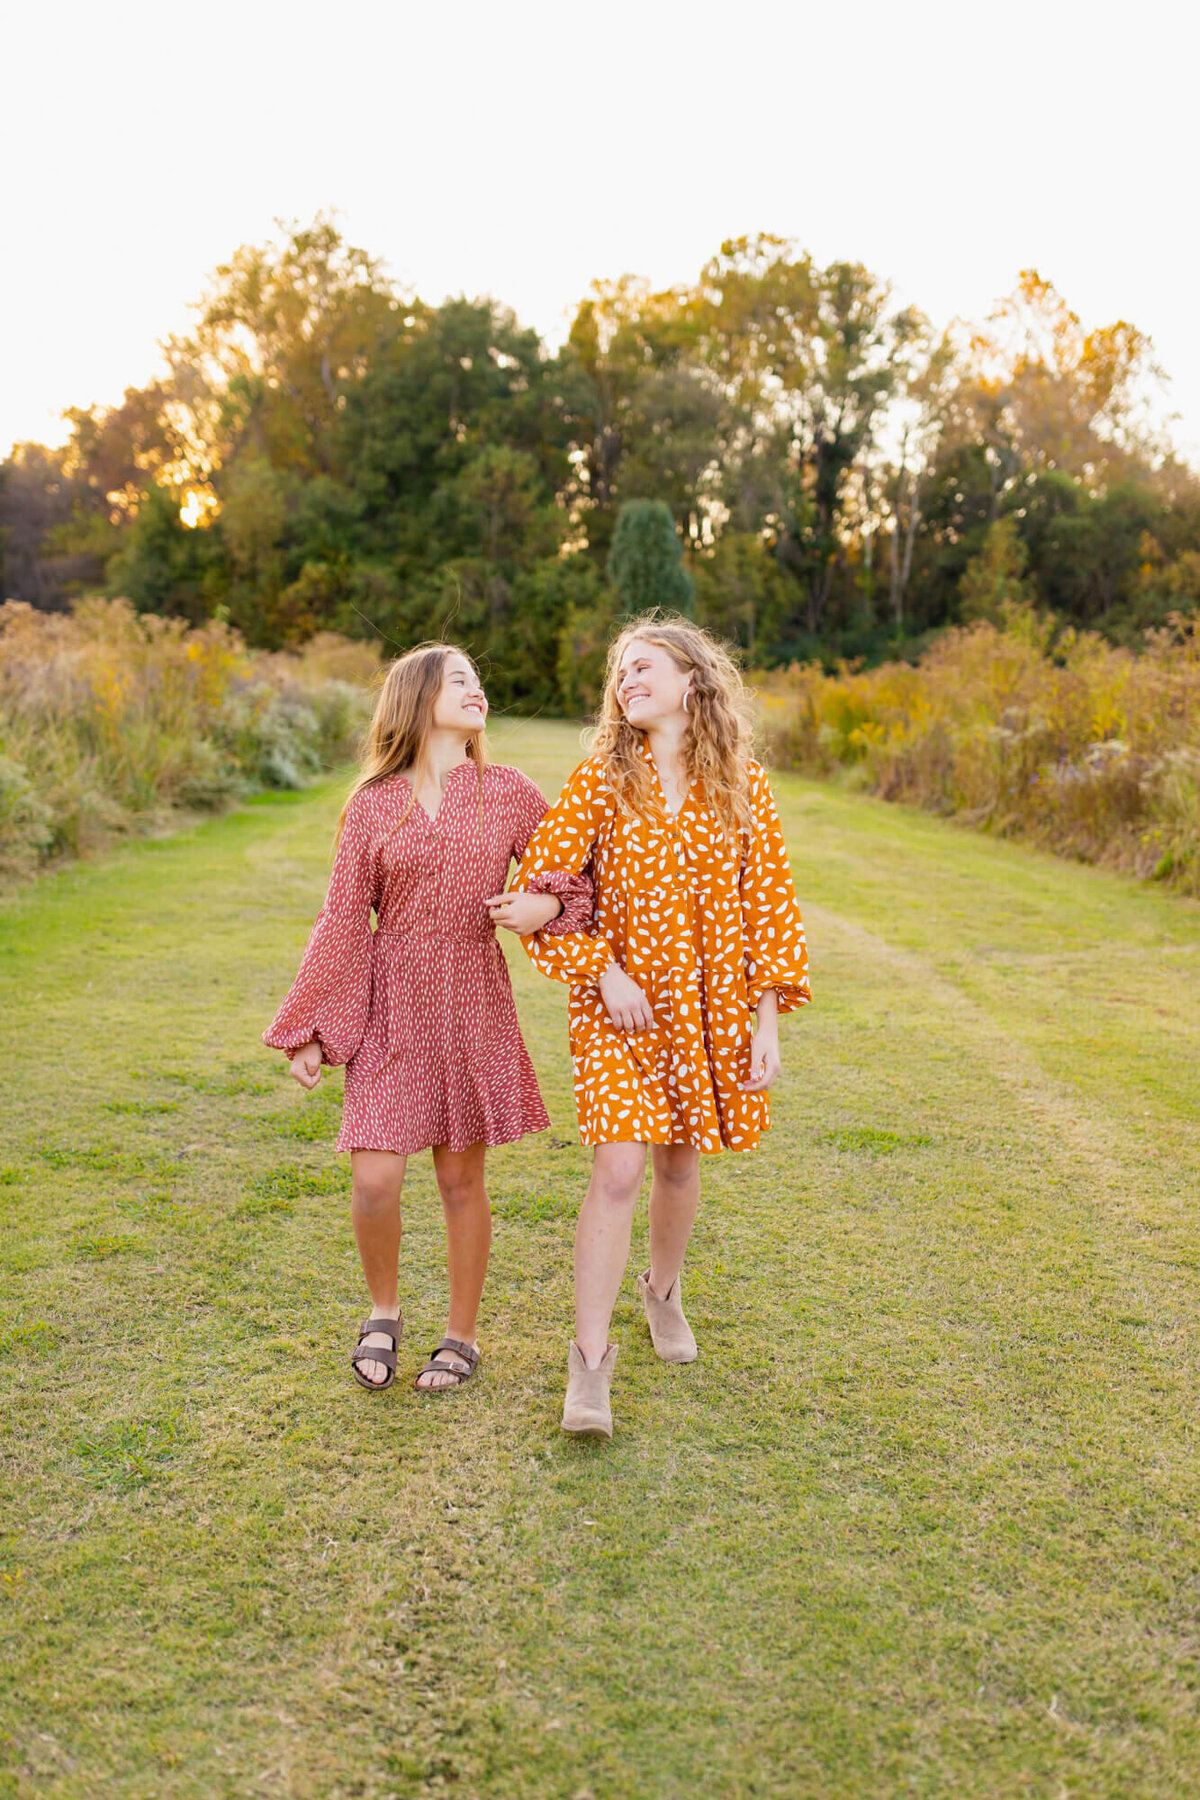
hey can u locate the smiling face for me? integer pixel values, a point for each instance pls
(651, 685)
(461, 704)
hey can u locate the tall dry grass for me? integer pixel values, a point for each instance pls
(1091, 751)
(110, 720)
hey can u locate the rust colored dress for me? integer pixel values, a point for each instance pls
(421, 1009)
(704, 927)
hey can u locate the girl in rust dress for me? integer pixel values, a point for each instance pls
(420, 1009)
(676, 990)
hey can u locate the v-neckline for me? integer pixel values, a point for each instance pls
(432, 818)
(673, 816)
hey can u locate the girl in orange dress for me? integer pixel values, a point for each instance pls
(696, 948)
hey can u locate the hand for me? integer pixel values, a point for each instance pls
(306, 1064)
(765, 1066)
(522, 912)
(627, 1006)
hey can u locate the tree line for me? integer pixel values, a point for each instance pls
(812, 470)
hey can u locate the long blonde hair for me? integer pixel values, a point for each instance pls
(402, 720)
(718, 742)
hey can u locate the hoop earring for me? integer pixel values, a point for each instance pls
(687, 694)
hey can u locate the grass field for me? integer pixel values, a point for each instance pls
(923, 1519)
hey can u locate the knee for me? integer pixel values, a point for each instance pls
(618, 1181)
(375, 1194)
(678, 1167)
(461, 1193)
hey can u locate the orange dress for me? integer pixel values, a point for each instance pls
(703, 926)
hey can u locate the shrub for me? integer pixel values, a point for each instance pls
(26, 830)
(109, 719)
(1090, 750)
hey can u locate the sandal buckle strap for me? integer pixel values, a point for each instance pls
(393, 1328)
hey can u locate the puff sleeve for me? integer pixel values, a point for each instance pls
(776, 949)
(563, 842)
(572, 888)
(330, 997)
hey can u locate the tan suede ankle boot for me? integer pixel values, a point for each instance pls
(672, 1335)
(587, 1409)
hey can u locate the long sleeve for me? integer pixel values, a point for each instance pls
(563, 843)
(331, 995)
(573, 889)
(776, 951)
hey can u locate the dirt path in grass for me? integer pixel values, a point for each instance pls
(921, 1520)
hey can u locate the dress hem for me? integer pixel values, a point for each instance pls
(489, 1143)
(595, 1143)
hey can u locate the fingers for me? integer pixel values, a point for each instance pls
(632, 1017)
(500, 911)
(765, 1070)
(765, 1067)
(624, 1001)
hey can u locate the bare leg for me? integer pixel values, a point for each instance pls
(674, 1197)
(378, 1177)
(602, 1242)
(460, 1178)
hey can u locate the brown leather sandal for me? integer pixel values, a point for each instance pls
(469, 1355)
(362, 1353)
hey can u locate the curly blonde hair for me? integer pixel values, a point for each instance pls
(718, 743)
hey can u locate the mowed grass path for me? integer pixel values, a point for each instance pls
(921, 1521)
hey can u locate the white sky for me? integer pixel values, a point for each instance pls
(524, 149)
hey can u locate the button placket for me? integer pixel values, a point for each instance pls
(431, 872)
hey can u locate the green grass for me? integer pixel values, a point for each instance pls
(922, 1521)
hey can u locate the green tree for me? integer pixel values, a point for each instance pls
(448, 386)
(162, 566)
(812, 356)
(286, 331)
(743, 594)
(993, 585)
(583, 641)
(830, 475)
(645, 564)
(641, 408)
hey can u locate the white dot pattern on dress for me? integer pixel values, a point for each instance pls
(421, 1009)
(704, 927)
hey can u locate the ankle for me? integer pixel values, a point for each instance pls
(593, 1352)
(660, 1288)
(385, 1310)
